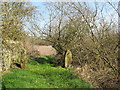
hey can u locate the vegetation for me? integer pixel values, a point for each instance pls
(46, 60)
(79, 27)
(14, 16)
(88, 43)
(91, 38)
(38, 75)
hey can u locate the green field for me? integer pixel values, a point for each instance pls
(38, 75)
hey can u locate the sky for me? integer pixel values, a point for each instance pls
(107, 8)
(108, 11)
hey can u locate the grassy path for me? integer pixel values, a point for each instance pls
(42, 76)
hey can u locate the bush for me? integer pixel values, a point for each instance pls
(99, 78)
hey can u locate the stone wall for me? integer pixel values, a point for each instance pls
(12, 52)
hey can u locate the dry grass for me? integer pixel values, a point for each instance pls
(98, 78)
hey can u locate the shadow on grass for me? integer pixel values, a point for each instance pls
(44, 60)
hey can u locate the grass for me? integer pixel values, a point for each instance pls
(46, 59)
(38, 75)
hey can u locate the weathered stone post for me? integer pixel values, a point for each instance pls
(68, 58)
(0, 60)
(0, 51)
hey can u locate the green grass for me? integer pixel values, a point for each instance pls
(38, 75)
(46, 59)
